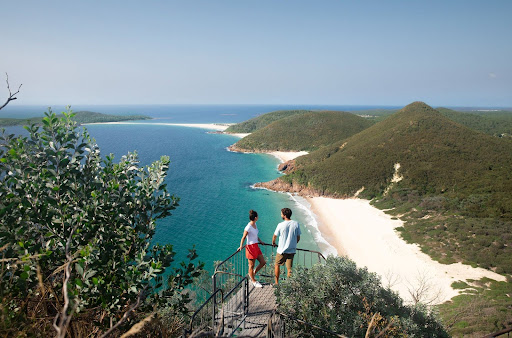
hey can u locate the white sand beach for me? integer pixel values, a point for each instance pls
(209, 126)
(241, 135)
(366, 235)
(285, 156)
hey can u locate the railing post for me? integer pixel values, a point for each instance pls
(246, 297)
(214, 279)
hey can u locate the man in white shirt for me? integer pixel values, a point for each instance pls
(289, 235)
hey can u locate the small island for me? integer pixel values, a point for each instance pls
(80, 117)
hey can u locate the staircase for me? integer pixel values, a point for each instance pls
(236, 308)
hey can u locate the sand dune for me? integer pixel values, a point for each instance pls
(367, 235)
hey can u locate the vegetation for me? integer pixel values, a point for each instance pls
(306, 131)
(496, 123)
(351, 301)
(76, 256)
(79, 117)
(483, 307)
(259, 122)
(448, 172)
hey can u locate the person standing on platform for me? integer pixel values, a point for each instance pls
(289, 233)
(252, 250)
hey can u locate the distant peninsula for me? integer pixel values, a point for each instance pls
(80, 117)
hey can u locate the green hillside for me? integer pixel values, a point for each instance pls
(460, 178)
(80, 117)
(497, 124)
(307, 131)
(261, 121)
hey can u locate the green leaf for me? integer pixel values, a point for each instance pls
(24, 275)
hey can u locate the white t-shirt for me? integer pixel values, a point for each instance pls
(287, 232)
(252, 233)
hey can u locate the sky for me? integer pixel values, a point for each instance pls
(343, 52)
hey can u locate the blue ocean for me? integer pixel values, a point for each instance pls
(213, 184)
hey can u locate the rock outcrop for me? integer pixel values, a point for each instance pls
(281, 186)
(287, 167)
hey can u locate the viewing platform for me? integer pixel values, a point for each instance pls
(236, 307)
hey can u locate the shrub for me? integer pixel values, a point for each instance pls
(343, 298)
(75, 234)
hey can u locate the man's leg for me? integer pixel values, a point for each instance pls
(277, 271)
(289, 264)
(280, 260)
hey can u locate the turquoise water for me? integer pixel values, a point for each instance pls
(213, 184)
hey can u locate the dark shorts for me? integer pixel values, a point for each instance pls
(252, 251)
(285, 258)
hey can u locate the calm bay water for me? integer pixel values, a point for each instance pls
(213, 184)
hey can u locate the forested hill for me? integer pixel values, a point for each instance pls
(80, 117)
(493, 124)
(261, 121)
(455, 186)
(306, 131)
(435, 154)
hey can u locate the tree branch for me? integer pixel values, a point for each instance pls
(12, 96)
(65, 318)
(126, 314)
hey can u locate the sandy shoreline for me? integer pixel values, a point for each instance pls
(285, 156)
(209, 126)
(366, 235)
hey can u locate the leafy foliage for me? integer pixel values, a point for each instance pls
(306, 131)
(80, 117)
(343, 298)
(75, 234)
(259, 122)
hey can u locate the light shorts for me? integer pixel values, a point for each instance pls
(252, 251)
(285, 258)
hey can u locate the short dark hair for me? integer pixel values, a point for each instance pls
(286, 212)
(252, 215)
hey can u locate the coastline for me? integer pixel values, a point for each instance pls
(285, 156)
(209, 126)
(367, 235)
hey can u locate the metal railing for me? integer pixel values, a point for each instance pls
(500, 333)
(235, 267)
(204, 319)
(221, 313)
(225, 311)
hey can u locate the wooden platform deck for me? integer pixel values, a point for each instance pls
(262, 301)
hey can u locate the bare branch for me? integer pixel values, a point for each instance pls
(137, 328)
(12, 96)
(63, 316)
(126, 314)
(424, 289)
